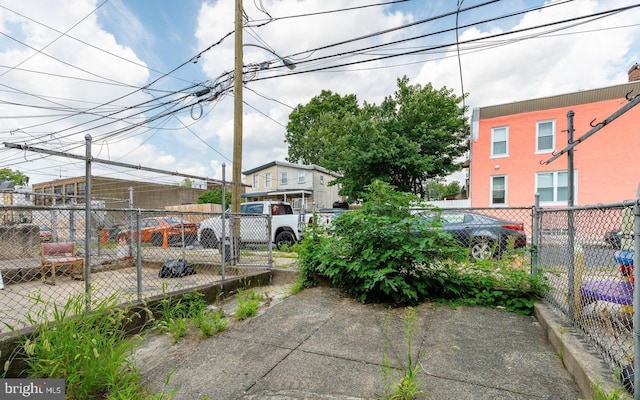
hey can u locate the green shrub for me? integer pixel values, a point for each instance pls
(382, 252)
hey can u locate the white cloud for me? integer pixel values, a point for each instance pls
(599, 55)
(587, 56)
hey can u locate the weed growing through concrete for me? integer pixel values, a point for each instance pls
(210, 323)
(248, 303)
(176, 312)
(298, 285)
(601, 394)
(89, 350)
(560, 352)
(401, 382)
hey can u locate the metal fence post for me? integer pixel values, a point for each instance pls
(130, 220)
(87, 221)
(223, 239)
(139, 255)
(535, 235)
(636, 296)
(270, 246)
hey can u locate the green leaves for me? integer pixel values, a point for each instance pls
(414, 135)
(382, 252)
(17, 177)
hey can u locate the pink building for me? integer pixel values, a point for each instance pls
(510, 143)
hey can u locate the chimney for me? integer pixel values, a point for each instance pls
(634, 73)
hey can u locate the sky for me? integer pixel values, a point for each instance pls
(151, 82)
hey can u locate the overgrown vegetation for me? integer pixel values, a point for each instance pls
(175, 312)
(89, 350)
(382, 252)
(92, 351)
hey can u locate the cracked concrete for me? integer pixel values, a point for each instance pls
(320, 345)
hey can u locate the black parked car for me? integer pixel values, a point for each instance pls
(485, 236)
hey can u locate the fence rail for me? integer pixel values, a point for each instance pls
(586, 255)
(126, 251)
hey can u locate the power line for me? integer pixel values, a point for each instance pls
(329, 12)
(362, 51)
(425, 49)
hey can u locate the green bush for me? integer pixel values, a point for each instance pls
(382, 252)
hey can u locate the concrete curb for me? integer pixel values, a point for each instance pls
(580, 359)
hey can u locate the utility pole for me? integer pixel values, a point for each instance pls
(237, 135)
(237, 113)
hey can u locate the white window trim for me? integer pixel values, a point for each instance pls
(553, 136)
(506, 191)
(284, 178)
(555, 202)
(267, 179)
(302, 176)
(506, 154)
(255, 181)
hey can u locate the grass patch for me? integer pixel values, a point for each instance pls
(89, 350)
(210, 323)
(248, 303)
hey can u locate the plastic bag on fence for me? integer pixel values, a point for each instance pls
(176, 269)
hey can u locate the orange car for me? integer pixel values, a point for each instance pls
(153, 230)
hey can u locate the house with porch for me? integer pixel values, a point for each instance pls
(304, 186)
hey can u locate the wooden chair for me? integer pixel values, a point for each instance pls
(60, 255)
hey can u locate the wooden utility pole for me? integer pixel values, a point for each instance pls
(236, 184)
(237, 114)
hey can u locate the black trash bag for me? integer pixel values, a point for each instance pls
(176, 269)
(627, 378)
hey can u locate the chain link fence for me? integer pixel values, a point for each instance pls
(43, 254)
(586, 254)
(487, 232)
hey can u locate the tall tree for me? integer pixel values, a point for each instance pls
(430, 132)
(313, 127)
(415, 135)
(17, 177)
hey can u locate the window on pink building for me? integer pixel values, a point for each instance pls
(499, 190)
(553, 187)
(500, 142)
(545, 136)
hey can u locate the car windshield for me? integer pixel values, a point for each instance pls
(174, 220)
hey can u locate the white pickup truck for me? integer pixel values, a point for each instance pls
(254, 225)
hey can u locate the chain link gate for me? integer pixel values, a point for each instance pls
(587, 256)
(119, 262)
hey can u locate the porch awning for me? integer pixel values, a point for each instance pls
(278, 193)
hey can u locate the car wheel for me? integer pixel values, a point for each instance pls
(156, 239)
(481, 249)
(284, 238)
(208, 239)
